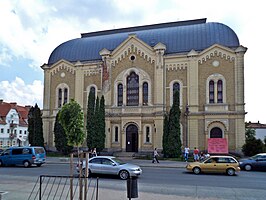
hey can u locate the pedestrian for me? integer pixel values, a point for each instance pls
(202, 156)
(155, 156)
(196, 154)
(186, 153)
(94, 152)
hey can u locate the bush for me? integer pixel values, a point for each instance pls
(253, 146)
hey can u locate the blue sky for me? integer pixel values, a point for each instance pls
(31, 30)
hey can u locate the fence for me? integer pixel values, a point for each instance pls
(65, 187)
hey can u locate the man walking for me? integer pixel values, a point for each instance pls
(186, 153)
(155, 156)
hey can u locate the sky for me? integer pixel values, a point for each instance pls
(32, 29)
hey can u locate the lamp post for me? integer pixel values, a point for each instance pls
(186, 118)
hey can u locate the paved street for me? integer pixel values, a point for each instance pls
(166, 180)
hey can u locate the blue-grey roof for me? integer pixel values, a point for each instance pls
(177, 36)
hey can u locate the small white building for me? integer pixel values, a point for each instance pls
(259, 128)
(13, 124)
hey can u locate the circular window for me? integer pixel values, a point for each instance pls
(215, 63)
(133, 57)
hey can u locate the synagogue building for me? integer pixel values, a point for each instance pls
(138, 69)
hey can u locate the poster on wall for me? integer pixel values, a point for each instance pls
(218, 145)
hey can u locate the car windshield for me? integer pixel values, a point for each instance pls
(255, 157)
(119, 161)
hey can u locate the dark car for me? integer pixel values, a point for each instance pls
(257, 162)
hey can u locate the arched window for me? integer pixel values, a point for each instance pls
(220, 91)
(133, 89)
(145, 91)
(92, 89)
(59, 98)
(65, 95)
(119, 94)
(216, 132)
(211, 91)
(176, 87)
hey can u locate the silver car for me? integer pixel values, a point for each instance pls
(110, 165)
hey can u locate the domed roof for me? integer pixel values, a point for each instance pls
(178, 37)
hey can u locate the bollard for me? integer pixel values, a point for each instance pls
(132, 187)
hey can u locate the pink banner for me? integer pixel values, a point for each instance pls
(218, 145)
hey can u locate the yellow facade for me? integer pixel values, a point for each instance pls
(192, 71)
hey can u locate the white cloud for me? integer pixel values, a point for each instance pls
(18, 91)
(33, 29)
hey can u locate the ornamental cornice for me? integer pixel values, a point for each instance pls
(176, 66)
(222, 53)
(63, 66)
(133, 49)
(91, 72)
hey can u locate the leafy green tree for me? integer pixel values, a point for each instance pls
(165, 135)
(90, 120)
(60, 138)
(252, 145)
(102, 134)
(35, 127)
(71, 118)
(172, 140)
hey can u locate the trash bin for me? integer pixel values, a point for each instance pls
(132, 187)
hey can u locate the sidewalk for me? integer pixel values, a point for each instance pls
(140, 162)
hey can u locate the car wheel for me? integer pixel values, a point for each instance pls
(1, 163)
(83, 173)
(248, 167)
(196, 170)
(26, 164)
(123, 174)
(230, 172)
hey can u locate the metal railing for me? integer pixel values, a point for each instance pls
(49, 187)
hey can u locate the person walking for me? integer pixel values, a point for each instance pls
(196, 154)
(155, 156)
(94, 152)
(186, 153)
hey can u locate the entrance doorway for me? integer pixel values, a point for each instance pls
(132, 138)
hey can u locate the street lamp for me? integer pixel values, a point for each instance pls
(186, 118)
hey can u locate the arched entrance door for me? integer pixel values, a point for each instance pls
(216, 133)
(132, 138)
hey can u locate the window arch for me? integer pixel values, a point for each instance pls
(175, 85)
(62, 95)
(133, 89)
(220, 91)
(215, 92)
(211, 91)
(145, 93)
(120, 94)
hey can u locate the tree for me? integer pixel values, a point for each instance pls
(172, 140)
(165, 135)
(96, 122)
(101, 114)
(60, 138)
(90, 123)
(71, 118)
(252, 145)
(35, 127)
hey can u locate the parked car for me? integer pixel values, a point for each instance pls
(215, 164)
(110, 165)
(256, 162)
(25, 156)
